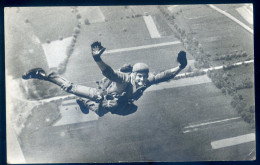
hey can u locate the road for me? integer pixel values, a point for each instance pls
(181, 123)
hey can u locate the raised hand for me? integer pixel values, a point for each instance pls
(97, 49)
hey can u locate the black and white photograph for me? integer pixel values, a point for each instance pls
(130, 83)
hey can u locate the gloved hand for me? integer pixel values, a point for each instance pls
(97, 49)
(182, 59)
(110, 103)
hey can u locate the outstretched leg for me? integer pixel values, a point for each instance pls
(78, 90)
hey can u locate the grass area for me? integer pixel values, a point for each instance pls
(212, 39)
(231, 9)
(49, 23)
(123, 12)
(117, 34)
(42, 116)
(162, 26)
(18, 108)
(207, 102)
(18, 111)
(22, 49)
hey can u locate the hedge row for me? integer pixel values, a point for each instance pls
(190, 43)
(231, 56)
(70, 49)
(246, 111)
(224, 80)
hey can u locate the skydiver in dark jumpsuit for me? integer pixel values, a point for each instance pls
(116, 92)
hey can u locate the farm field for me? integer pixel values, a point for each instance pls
(213, 31)
(242, 12)
(217, 46)
(186, 119)
(156, 129)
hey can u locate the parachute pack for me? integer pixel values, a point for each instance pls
(104, 83)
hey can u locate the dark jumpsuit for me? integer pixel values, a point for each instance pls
(119, 96)
(122, 92)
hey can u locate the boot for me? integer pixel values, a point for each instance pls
(39, 73)
(83, 106)
(36, 73)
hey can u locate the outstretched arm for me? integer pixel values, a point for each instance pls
(97, 50)
(171, 73)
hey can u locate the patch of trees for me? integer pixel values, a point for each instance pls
(224, 80)
(246, 110)
(231, 56)
(70, 49)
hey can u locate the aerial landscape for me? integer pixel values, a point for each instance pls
(206, 113)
